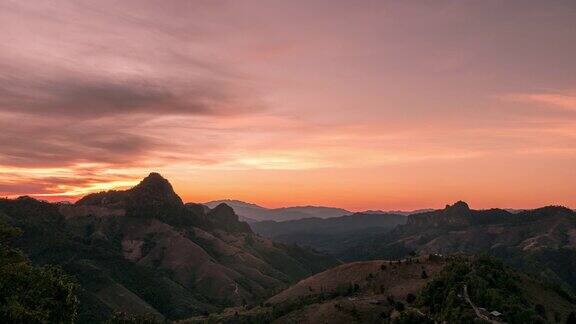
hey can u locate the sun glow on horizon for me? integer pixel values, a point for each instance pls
(408, 105)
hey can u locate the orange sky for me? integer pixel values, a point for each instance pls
(355, 104)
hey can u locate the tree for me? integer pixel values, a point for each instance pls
(424, 275)
(124, 318)
(571, 318)
(354, 313)
(390, 300)
(541, 310)
(31, 294)
(399, 306)
(410, 298)
(413, 318)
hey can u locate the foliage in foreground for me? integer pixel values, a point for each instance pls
(31, 294)
(490, 285)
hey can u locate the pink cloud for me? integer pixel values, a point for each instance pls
(564, 100)
(96, 94)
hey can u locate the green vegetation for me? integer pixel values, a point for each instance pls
(412, 318)
(490, 285)
(123, 318)
(31, 294)
(554, 265)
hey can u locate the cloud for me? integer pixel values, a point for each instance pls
(87, 98)
(87, 82)
(95, 94)
(562, 100)
(63, 183)
(41, 142)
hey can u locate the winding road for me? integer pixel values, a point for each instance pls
(476, 310)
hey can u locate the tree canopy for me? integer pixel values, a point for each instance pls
(30, 294)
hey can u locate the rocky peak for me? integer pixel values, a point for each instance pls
(153, 194)
(457, 214)
(458, 208)
(223, 213)
(156, 188)
(223, 209)
(224, 217)
(154, 182)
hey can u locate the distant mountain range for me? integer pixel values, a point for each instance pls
(254, 213)
(332, 235)
(398, 212)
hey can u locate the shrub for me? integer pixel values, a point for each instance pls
(31, 294)
(410, 298)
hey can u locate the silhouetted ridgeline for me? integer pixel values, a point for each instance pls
(142, 251)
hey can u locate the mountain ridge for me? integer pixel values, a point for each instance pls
(541, 241)
(253, 212)
(191, 259)
(330, 235)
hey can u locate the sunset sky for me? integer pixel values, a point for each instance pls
(355, 104)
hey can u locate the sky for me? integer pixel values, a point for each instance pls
(357, 104)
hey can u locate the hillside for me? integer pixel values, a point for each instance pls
(424, 289)
(252, 212)
(471, 288)
(396, 278)
(541, 241)
(143, 251)
(331, 235)
(359, 292)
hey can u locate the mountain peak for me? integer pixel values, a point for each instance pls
(457, 214)
(223, 216)
(154, 181)
(232, 203)
(153, 190)
(154, 178)
(223, 208)
(155, 187)
(458, 206)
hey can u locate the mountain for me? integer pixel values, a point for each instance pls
(143, 251)
(426, 289)
(252, 212)
(540, 241)
(330, 235)
(245, 211)
(398, 212)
